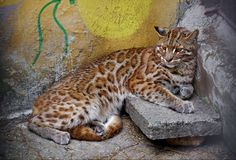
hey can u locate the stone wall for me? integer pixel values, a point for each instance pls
(216, 76)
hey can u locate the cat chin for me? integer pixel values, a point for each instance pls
(170, 65)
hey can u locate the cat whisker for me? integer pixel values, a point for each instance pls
(174, 50)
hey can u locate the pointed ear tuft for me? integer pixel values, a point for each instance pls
(193, 36)
(161, 32)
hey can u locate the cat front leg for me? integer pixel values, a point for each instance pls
(157, 94)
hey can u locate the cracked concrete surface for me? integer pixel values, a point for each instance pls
(19, 143)
(158, 122)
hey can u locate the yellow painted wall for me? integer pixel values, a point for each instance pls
(95, 27)
(114, 19)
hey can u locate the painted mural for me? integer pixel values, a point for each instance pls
(57, 3)
(110, 16)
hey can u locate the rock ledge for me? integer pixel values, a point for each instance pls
(158, 122)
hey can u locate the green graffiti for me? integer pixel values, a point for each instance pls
(40, 34)
(61, 28)
(72, 1)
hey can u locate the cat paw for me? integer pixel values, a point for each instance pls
(187, 107)
(61, 137)
(186, 92)
(99, 130)
(175, 90)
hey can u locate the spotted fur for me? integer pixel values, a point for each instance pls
(85, 105)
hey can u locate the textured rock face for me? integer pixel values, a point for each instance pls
(216, 75)
(158, 122)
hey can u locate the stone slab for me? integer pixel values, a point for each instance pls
(158, 122)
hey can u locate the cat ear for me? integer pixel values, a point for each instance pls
(193, 36)
(161, 32)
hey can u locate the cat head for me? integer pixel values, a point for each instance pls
(176, 45)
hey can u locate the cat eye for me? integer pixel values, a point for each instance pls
(188, 53)
(179, 49)
(164, 48)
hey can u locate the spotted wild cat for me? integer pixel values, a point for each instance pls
(85, 105)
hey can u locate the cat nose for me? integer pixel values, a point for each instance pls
(170, 60)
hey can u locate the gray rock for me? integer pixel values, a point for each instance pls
(216, 73)
(17, 142)
(158, 122)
